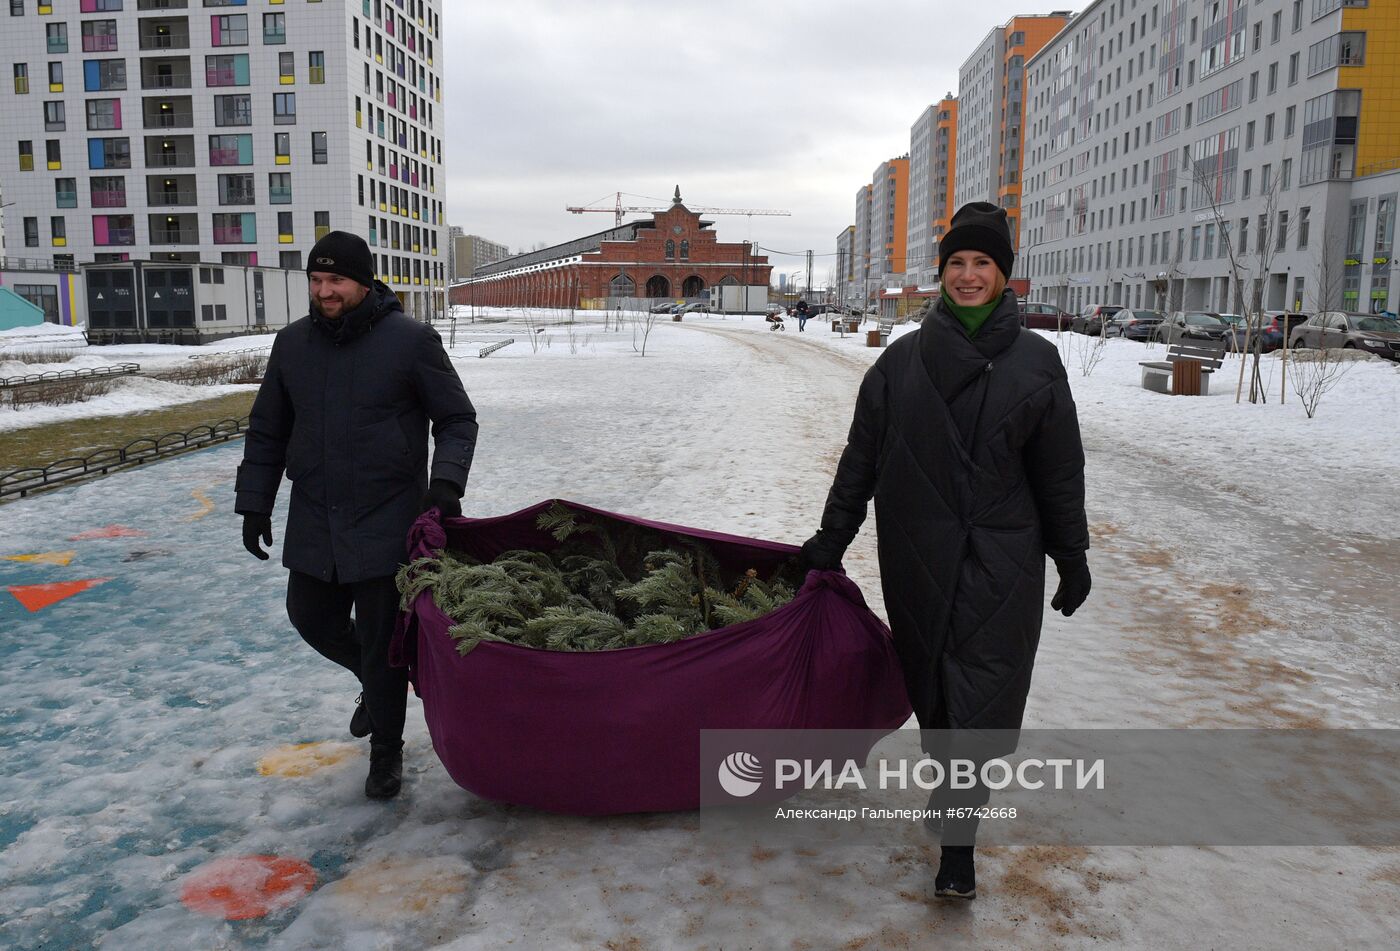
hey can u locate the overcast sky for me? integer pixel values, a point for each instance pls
(742, 103)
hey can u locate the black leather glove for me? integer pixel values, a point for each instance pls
(446, 496)
(823, 551)
(1074, 585)
(257, 526)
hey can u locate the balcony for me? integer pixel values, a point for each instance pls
(166, 72)
(174, 229)
(165, 191)
(167, 112)
(170, 152)
(165, 33)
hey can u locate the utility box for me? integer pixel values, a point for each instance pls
(738, 298)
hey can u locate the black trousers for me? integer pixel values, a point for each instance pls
(320, 611)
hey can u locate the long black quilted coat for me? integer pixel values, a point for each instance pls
(346, 413)
(971, 450)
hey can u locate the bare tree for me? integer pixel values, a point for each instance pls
(1314, 372)
(1272, 234)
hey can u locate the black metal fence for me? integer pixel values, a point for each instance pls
(20, 482)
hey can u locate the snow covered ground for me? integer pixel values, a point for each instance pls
(68, 350)
(154, 723)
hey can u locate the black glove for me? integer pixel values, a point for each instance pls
(445, 496)
(1074, 585)
(257, 526)
(823, 551)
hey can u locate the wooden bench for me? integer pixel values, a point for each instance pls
(1198, 357)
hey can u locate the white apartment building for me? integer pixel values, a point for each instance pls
(980, 125)
(226, 131)
(1163, 135)
(860, 253)
(932, 147)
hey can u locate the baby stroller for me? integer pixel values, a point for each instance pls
(775, 322)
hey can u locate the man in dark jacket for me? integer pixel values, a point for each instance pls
(344, 409)
(965, 435)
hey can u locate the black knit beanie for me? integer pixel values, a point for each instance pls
(979, 226)
(343, 253)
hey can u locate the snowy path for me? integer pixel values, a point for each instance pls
(136, 714)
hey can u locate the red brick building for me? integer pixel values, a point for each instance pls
(674, 255)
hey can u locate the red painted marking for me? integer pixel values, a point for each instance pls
(247, 886)
(36, 597)
(111, 531)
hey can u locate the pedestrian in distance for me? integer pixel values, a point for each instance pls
(343, 410)
(966, 437)
(803, 312)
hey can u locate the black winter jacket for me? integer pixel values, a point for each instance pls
(971, 450)
(345, 412)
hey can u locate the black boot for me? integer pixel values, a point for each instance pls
(956, 877)
(385, 769)
(360, 723)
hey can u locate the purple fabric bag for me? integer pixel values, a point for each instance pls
(597, 733)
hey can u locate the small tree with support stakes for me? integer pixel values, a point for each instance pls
(1209, 184)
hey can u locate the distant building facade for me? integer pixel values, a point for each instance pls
(932, 180)
(889, 221)
(472, 252)
(673, 255)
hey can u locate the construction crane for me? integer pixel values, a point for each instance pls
(619, 209)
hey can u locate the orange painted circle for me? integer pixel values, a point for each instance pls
(247, 886)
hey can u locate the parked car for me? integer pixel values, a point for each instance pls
(665, 307)
(1334, 329)
(1091, 319)
(1278, 323)
(696, 307)
(1191, 326)
(774, 309)
(1134, 324)
(1037, 315)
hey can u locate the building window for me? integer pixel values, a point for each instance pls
(670, 250)
(55, 116)
(109, 153)
(65, 192)
(103, 75)
(322, 224)
(231, 149)
(286, 68)
(228, 69)
(233, 110)
(229, 30)
(279, 188)
(284, 108)
(99, 36)
(58, 231)
(236, 189)
(21, 71)
(291, 260)
(235, 228)
(318, 148)
(56, 36)
(282, 148)
(284, 227)
(110, 230)
(55, 77)
(53, 153)
(685, 250)
(274, 29)
(316, 66)
(1303, 214)
(31, 232)
(107, 191)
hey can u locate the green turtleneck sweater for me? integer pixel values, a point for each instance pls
(971, 318)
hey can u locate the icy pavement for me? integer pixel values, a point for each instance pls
(164, 721)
